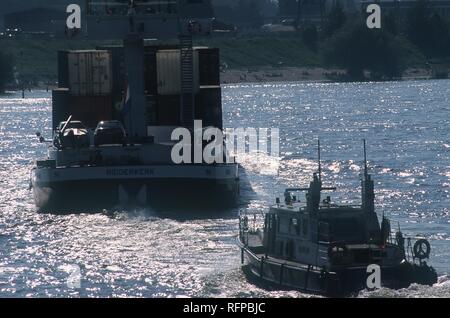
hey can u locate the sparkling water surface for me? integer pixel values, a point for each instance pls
(147, 253)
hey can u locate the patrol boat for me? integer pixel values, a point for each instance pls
(320, 247)
(116, 108)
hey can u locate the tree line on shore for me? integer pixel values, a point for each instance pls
(380, 54)
(343, 40)
(6, 70)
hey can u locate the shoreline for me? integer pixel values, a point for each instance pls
(274, 75)
(305, 74)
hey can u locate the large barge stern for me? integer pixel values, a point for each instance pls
(91, 188)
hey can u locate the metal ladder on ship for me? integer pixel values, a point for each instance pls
(187, 81)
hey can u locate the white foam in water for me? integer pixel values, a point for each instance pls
(260, 163)
(443, 281)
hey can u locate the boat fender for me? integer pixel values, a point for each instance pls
(422, 249)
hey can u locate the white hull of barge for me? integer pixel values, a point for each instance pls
(64, 189)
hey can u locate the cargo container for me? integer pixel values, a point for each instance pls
(117, 56)
(208, 106)
(209, 66)
(90, 73)
(63, 69)
(164, 110)
(169, 72)
(90, 110)
(150, 71)
(168, 110)
(151, 110)
(60, 106)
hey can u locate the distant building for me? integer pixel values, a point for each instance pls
(401, 7)
(293, 11)
(37, 20)
(245, 13)
(312, 9)
(196, 8)
(287, 8)
(225, 3)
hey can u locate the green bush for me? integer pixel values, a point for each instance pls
(428, 30)
(6, 71)
(335, 20)
(358, 49)
(310, 36)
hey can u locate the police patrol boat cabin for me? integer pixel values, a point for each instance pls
(116, 108)
(321, 247)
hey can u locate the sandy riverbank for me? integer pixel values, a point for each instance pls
(298, 74)
(267, 75)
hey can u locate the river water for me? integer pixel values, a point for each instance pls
(146, 253)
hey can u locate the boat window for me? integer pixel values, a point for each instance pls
(295, 226)
(346, 229)
(289, 250)
(284, 225)
(305, 227)
(274, 223)
(268, 221)
(281, 248)
(324, 232)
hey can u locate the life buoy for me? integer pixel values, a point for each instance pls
(422, 249)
